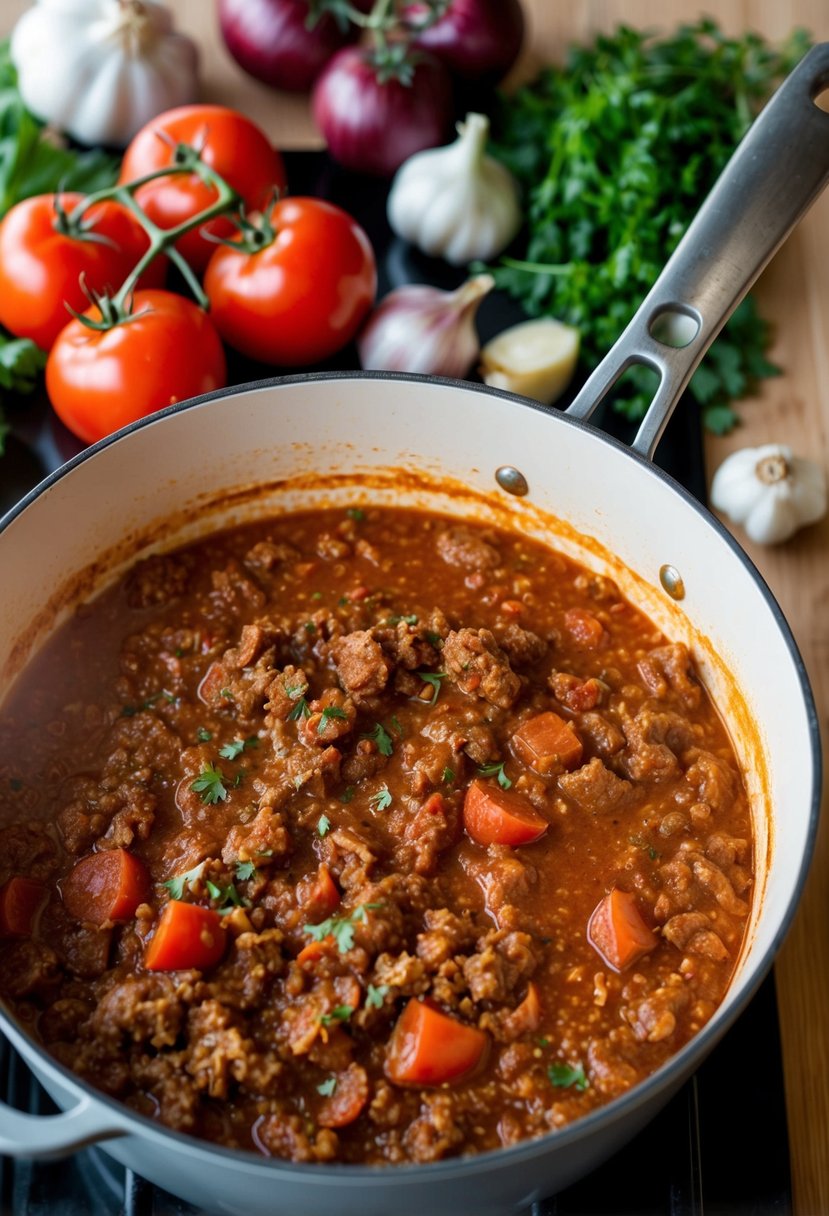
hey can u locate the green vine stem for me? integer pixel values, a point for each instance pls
(186, 159)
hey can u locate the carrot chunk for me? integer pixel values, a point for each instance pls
(427, 1047)
(322, 895)
(20, 901)
(349, 1096)
(186, 936)
(106, 886)
(617, 931)
(492, 815)
(548, 744)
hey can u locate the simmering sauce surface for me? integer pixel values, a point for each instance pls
(369, 836)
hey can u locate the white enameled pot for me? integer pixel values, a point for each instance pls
(339, 438)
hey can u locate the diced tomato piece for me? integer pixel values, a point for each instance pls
(428, 1047)
(548, 744)
(350, 1095)
(20, 901)
(585, 629)
(186, 936)
(492, 815)
(617, 931)
(106, 886)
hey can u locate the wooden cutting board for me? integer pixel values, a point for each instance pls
(794, 296)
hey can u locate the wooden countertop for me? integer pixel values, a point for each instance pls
(794, 408)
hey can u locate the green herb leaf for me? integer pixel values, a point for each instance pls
(323, 825)
(382, 738)
(301, 710)
(433, 678)
(328, 715)
(210, 784)
(231, 750)
(356, 513)
(341, 1014)
(448, 776)
(375, 996)
(411, 619)
(177, 884)
(341, 928)
(567, 1076)
(382, 800)
(204, 736)
(496, 770)
(347, 795)
(245, 870)
(326, 1088)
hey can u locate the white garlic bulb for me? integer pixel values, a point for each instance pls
(101, 69)
(456, 202)
(534, 358)
(770, 491)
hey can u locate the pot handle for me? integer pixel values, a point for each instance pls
(776, 173)
(24, 1135)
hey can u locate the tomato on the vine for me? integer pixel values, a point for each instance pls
(165, 351)
(47, 265)
(229, 142)
(302, 295)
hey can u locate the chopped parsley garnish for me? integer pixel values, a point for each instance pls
(434, 638)
(226, 692)
(347, 795)
(409, 619)
(229, 751)
(396, 727)
(210, 784)
(341, 928)
(317, 595)
(381, 801)
(310, 627)
(356, 513)
(567, 1076)
(448, 775)
(301, 710)
(328, 715)
(326, 1088)
(323, 825)
(245, 870)
(382, 738)
(204, 736)
(129, 711)
(341, 1014)
(177, 884)
(496, 770)
(432, 678)
(375, 996)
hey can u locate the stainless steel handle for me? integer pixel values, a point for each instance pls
(776, 173)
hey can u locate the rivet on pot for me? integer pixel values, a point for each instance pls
(512, 480)
(671, 580)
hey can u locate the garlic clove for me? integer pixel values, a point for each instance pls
(534, 358)
(770, 492)
(425, 330)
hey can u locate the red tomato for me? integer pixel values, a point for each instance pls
(41, 266)
(229, 142)
(105, 886)
(495, 816)
(300, 298)
(617, 931)
(20, 901)
(101, 380)
(186, 936)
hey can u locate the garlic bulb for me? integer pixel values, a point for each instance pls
(770, 492)
(456, 202)
(535, 358)
(422, 329)
(101, 69)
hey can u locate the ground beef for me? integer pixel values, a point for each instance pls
(478, 665)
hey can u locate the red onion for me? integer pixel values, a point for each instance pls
(271, 40)
(372, 127)
(476, 39)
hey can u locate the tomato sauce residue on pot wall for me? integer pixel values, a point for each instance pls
(367, 835)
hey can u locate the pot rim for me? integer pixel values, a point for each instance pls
(670, 1073)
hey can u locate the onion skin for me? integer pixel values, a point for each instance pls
(270, 40)
(372, 127)
(477, 39)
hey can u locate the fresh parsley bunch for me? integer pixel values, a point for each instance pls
(616, 152)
